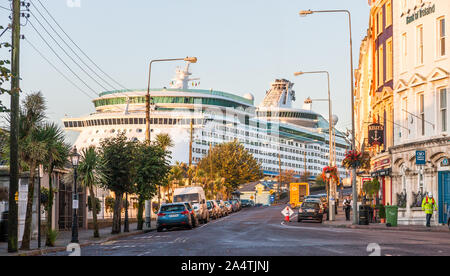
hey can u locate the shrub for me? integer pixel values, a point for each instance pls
(52, 236)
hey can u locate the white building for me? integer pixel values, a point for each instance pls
(421, 101)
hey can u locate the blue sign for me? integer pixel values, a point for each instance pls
(420, 157)
(445, 163)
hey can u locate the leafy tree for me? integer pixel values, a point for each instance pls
(97, 205)
(164, 141)
(176, 175)
(90, 173)
(152, 166)
(118, 155)
(56, 156)
(234, 163)
(32, 141)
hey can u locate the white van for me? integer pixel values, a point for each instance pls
(195, 196)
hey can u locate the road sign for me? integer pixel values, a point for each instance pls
(287, 212)
(420, 157)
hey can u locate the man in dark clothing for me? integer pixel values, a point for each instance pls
(347, 207)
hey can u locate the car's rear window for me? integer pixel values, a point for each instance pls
(209, 204)
(173, 208)
(311, 205)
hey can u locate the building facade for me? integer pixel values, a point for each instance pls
(421, 85)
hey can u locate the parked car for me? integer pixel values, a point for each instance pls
(236, 204)
(223, 209)
(219, 212)
(228, 207)
(245, 203)
(313, 199)
(213, 211)
(195, 196)
(174, 215)
(194, 217)
(310, 210)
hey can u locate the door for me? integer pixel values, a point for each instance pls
(444, 196)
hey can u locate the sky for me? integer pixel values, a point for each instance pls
(241, 45)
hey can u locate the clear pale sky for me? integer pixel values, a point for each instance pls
(242, 46)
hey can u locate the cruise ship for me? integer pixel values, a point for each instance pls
(275, 132)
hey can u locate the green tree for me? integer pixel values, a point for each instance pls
(118, 155)
(56, 156)
(32, 140)
(91, 174)
(152, 167)
(176, 175)
(234, 163)
(164, 141)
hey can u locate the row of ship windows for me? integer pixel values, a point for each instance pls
(299, 115)
(170, 100)
(132, 121)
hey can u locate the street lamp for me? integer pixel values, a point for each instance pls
(148, 203)
(308, 12)
(75, 158)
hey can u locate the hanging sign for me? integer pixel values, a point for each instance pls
(376, 134)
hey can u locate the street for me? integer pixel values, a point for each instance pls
(261, 232)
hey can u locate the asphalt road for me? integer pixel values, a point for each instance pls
(261, 232)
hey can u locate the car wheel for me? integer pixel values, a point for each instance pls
(159, 229)
(299, 220)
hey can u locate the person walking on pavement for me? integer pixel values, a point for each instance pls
(429, 206)
(347, 207)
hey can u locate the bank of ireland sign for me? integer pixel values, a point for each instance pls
(420, 13)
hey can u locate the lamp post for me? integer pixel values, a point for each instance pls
(75, 158)
(148, 203)
(354, 193)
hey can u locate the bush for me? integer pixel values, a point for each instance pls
(381, 211)
(52, 236)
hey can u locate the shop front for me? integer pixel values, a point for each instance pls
(382, 170)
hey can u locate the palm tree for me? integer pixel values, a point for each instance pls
(31, 150)
(90, 174)
(56, 156)
(164, 141)
(176, 175)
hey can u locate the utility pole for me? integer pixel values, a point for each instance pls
(190, 150)
(14, 130)
(211, 169)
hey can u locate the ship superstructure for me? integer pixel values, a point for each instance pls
(273, 132)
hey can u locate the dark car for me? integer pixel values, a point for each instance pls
(194, 217)
(310, 210)
(247, 203)
(174, 215)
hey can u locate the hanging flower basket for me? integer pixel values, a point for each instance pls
(333, 174)
(356, 160)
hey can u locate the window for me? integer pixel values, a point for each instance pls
(422, 114)
(388, 14)
(380, 66)
(389, 60)
(404, 53)
(419, 45)
(380, 22)
(443, 108)
(441, 37)
(405, 114)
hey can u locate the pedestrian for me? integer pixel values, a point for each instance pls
(347, 207)
(429, 205)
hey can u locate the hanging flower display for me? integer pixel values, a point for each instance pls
(333, 174)
(356, 159)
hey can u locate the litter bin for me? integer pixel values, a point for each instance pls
(364, 214)
(391, 215)
(4, 227)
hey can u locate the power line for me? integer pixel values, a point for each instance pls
(63, 40)
(56, 54)
(54, 20)
(1, 7)
(59, 71)
(67, 54)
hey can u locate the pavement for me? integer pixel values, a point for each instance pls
(261, 231)
(340, 222)
(85, 238)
